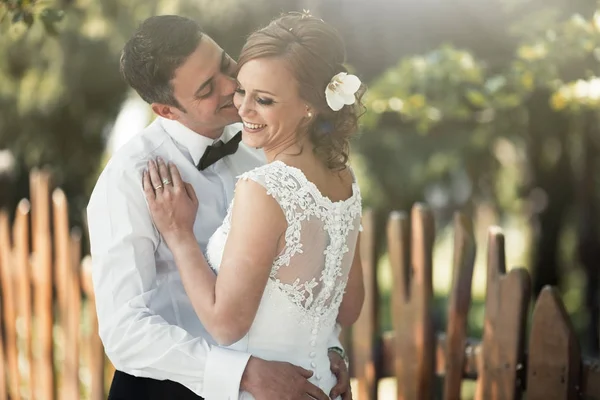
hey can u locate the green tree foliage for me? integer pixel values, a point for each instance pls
(455, 107)
(60, 87)
(27, 11)
(522, 136)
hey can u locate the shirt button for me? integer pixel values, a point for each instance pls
(312, 364)
(313, 343)
(312, 354)
(318, 377)
(315, 331)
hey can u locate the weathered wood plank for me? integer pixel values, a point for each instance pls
(412, 302)
(554, 363)
(9, 306)
(506, 308)
(43, 283)
(73, 287)
(23, 284)
(68, 305)
(398, 239)
(94, 349)
(458, 307)
(421, 296)
(365, 330)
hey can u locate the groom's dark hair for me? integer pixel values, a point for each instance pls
(149, 59)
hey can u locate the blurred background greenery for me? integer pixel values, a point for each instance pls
(485, 106)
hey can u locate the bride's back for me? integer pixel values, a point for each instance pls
(298, 310)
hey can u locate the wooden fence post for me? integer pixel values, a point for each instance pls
(23, 284)
(398, 238)
(554, 364)
(3, 387)
(365, 331)
(415, 342)
(74, 295)
(458, 307)
(506, 307)
(67, 295)
(8, 304)
(42, 273)
(94, 348)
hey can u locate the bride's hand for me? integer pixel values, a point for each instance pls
(172, 202)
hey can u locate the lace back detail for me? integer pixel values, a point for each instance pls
(312, 269)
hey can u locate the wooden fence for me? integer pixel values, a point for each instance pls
(50, 348)
(505, 363)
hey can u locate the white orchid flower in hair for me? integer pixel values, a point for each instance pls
(341, 90)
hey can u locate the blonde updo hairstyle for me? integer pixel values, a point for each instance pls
(315, 53)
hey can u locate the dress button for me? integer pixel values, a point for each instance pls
(312, 364)
(312, 354)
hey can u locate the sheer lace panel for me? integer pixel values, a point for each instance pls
(312, 269)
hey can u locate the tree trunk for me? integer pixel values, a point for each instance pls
(549, 187)
(588, 245)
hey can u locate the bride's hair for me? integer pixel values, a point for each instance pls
(315, 53)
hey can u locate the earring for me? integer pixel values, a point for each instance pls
(309, 114)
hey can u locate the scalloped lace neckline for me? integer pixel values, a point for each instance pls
(299, 175)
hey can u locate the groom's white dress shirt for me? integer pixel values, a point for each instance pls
(146, 321)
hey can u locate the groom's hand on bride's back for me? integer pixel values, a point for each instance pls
(273, 380)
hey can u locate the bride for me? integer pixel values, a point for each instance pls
(286, 257)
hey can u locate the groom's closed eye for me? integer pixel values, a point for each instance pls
(206, 89)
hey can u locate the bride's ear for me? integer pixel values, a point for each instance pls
(309, 112)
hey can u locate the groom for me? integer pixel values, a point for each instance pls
(147, 324)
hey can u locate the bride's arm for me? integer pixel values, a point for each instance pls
(354, 295)
(226, 304)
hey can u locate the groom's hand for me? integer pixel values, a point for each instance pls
(340, 370)
(273, 380)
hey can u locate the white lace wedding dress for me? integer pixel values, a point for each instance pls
(299, 307)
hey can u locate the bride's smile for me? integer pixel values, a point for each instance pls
(269, 105)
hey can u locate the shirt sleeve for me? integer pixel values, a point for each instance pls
(137, 340)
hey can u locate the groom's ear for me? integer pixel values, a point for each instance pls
(164, 111)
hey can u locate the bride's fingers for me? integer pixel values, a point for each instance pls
(147, 185)
(155, 177)
(191, 192)
(177, 181)
(164, 174)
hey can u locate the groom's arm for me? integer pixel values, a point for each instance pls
(136, 340)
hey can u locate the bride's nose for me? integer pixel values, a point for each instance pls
(245, 107)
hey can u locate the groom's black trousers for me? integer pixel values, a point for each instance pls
(129, 387)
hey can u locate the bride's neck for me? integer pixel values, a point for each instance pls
(290, 150)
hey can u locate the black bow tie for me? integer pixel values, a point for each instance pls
(215, 152)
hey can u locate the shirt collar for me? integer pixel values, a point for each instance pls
(195, 143)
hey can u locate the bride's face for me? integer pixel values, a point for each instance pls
(268, 102)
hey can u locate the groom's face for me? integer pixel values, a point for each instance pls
(204, 88)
